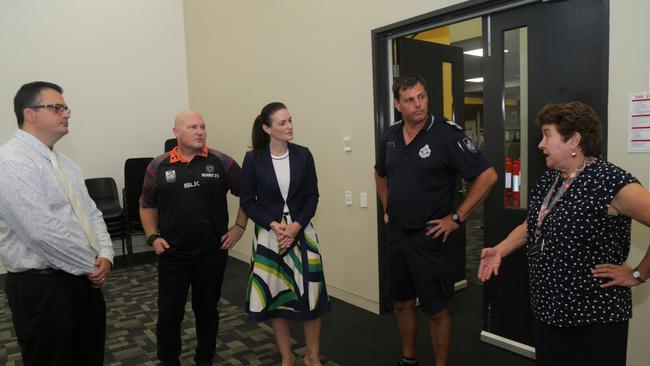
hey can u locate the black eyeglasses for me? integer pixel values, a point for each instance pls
(57, 108)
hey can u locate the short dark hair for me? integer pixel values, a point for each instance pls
(573, 117)
(405, 82)
(28, 95)
(260, 138)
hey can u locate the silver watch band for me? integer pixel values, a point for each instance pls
(637, 275)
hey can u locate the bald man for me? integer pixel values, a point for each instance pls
(184, 213)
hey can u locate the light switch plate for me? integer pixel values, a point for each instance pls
(347, 143)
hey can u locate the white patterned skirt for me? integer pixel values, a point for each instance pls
(286, 283)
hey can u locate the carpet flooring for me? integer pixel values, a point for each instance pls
(131, 321)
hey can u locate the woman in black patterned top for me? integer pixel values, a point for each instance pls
(577, 236)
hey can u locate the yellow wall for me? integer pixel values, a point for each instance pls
(438, 35)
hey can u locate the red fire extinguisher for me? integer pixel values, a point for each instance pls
(508, 183)
(516, 183)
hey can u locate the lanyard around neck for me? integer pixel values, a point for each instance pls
(548, 204)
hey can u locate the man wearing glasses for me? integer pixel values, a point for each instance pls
(53, 240)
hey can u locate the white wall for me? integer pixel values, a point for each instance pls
(629, 59)
(121, 63)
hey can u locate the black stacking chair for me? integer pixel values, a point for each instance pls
(104, 192)
(170, 144)
(134, 170)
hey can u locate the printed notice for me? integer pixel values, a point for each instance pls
(639, 122)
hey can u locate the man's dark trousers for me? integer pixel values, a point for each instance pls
(59, 318)
(176, 274)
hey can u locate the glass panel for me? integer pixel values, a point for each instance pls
(515, 116)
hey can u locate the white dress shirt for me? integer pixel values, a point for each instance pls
(38, 226)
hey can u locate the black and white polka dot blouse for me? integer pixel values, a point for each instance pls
(578, 234)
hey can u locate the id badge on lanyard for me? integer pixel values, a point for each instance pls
(537, 247)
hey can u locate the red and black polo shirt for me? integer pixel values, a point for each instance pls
(191, 198)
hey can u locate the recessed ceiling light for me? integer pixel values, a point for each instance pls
(476, 52)
(475, 80)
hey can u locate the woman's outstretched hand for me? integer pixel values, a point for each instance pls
(490, 263)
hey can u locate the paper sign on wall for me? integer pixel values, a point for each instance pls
(638, 122)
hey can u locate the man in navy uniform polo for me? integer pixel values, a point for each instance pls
(419, 160)
(184, 212)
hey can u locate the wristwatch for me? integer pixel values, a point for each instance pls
(151, 238)
(456, 218)
(637, 275)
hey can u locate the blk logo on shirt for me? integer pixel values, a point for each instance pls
(191, 184)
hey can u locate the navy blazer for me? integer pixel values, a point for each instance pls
(260, 195)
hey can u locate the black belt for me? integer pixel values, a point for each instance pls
(44, 271)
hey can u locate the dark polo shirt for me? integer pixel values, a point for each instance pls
(191, 198)
(421, 176)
